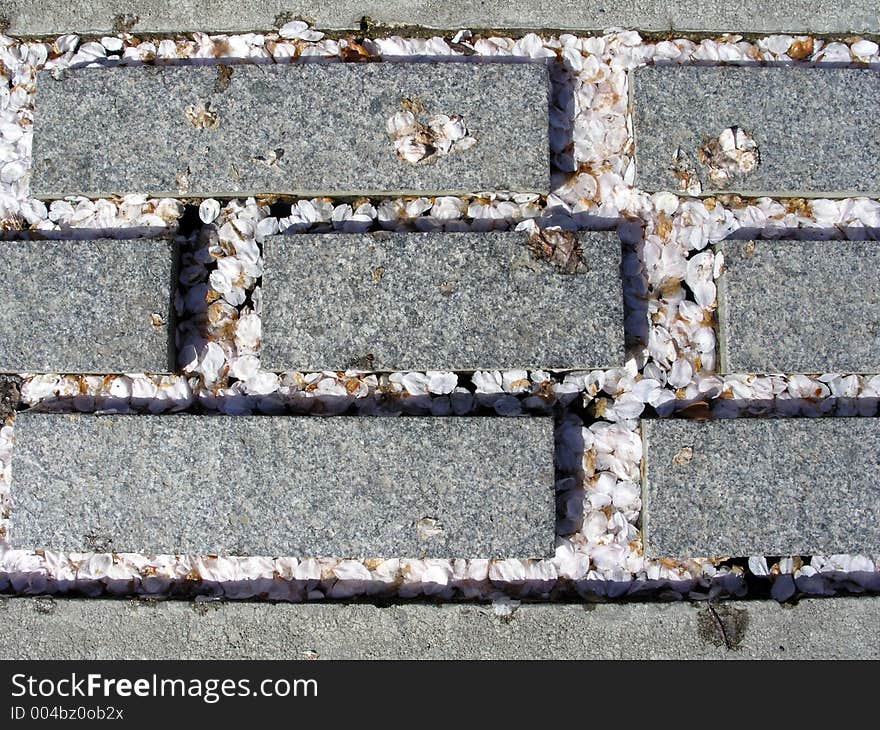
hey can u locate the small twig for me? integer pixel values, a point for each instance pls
(720, 623)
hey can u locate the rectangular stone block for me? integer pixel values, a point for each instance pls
(795, 129)
(101, 306)
(761, 486)
(300, 129)
(441, 301)
(343, 486)
(799, 306)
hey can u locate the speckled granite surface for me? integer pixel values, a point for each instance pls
(293, 129)
(761, 486)
(99, 306)
(799, 307)
(817, 129)
(342, 486)
(438, 301)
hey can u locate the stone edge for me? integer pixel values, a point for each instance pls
(64, 628)
(23, 18)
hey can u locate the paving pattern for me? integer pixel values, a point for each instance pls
(482, 330)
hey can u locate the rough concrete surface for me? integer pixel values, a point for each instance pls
(100, 306)
(817, 130)
(298, 129)
(102, 16)
(761, 486)
(799, 307)
(47, 628)
(439, 301)
(341, 486)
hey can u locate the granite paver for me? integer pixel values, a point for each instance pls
(100, 306)
(761, 486)
(439, 301)
(817, 130)
(799, 307)
(299, 129)
(64, 628)
(163, 16)
(342, 486)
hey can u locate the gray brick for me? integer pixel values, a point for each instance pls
(450, 301)
(816, 128)
(26, 17)
(64, 628)
(298, 129)
(274, 485)
(99, 306)
(750, 486)
(799, 306)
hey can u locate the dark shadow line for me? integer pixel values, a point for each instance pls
(750, 63)
(556, 591)
(703, 408)
(806, 233)
(157, 62)
(88, 234)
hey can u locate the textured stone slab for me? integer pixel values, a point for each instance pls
(163, 16)
(300, 129)
(799, 306)
(97, 306)
(816, 129)
(754, 486)
(285, 486)
(448, 301)
(64, 628)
